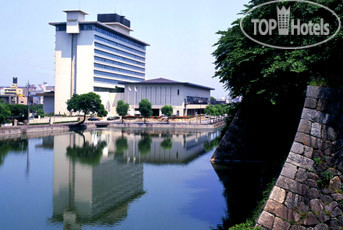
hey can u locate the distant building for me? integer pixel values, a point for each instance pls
(186, 98)
(23, 94)
(13, 89)
(95, 56)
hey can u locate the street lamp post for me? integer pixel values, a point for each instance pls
(28, 101)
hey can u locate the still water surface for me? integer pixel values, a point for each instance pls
(117, 179)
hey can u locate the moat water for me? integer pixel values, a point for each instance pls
(122, 179)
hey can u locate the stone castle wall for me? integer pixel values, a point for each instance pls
(308, 193)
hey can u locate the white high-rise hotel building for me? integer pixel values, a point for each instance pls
(96, 56)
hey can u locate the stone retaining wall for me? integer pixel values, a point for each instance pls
(308, 193)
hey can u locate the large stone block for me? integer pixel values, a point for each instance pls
(310, 103)
(335, 184)
(316, 205)
(297, 148)
(331, 134)
(277, 209)
(291, 185)
(279, 224)
(310, 220)
(321, 227)
(293, 200)
(320, 92)
(300, 161)
(321, 105)
(266, 220)
(304, 126)
(289, 170)
(301, 175)
(316, 116)
(303, 139)
(316, 130)
(313, 193)
(278, 194)
(330, 207)
(308, 152)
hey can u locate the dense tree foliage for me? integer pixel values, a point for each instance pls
(145, 108)
(259, 73)
(122, 109)
(18, 111)
(89, 103)
(167, 110)
(217, 110)
(4, 113)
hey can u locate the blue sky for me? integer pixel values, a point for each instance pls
(181, 35)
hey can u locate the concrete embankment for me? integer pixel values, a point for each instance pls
(43, 130)
(308, 192)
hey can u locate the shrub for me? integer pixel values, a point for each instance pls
(325, 178)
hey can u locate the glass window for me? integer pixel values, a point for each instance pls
(118, 45)
(118, 57)
(118, 69)
(115, 75)
(118, 63)
(118, 51)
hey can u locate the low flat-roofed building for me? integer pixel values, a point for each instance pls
(185, 98)
(48, 101)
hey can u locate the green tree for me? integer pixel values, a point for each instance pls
(219, 110)
(144, 144)
(262, 74)
(145, 108)
(36, 108)
(18, 111)
(122, 109)
(40, 112)
(167, 110)
(89, 103)
(4, 113)
(211, 110)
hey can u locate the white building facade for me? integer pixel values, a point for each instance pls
(185, 98)
(96, 56)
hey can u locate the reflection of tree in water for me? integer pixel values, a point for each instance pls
(144, 144)
(15, 146)
(121, 145)
(209, 145)
(88, 154)
(167, 144)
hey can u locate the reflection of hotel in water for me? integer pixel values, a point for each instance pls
(185, 147)
(100, 193)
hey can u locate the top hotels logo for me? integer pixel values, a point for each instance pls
(324, 25)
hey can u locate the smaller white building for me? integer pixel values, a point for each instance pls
(185, 98)
(48, 102)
